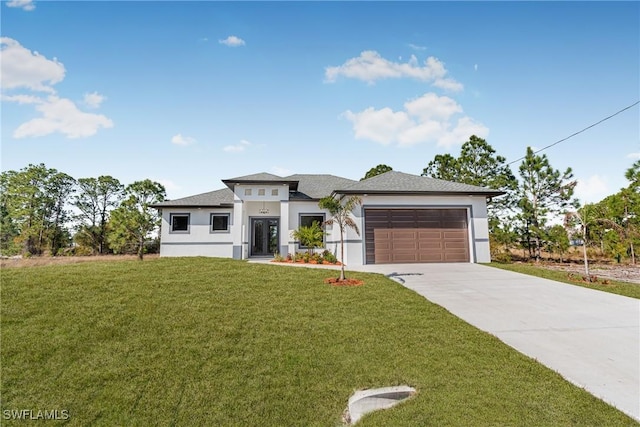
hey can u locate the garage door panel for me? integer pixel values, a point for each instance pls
(404, 245)
(429, 235)
(416, 235)
(455, 245)
(431, 257)
(430, 246)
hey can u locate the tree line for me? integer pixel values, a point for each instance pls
(523, 217)
(45, 211)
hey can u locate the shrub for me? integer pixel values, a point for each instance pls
(329, 257)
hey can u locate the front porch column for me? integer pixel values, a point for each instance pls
(284, 227)
(238, 228)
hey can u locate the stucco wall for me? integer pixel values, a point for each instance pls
(199, 240)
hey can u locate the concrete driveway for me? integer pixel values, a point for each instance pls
(589, 337)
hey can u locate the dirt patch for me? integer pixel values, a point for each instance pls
(40, 261)
(622, 272)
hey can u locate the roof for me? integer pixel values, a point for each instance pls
(218, 198)
(261, 178)
(394, 182)
(315, 187)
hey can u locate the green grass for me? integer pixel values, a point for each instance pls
(615, 287)
(224, 343)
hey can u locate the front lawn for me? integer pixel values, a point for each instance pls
(210, 342)
(614, 286)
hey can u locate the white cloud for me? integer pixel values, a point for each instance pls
(179, 139)
(23, 4)
(370, 66)
(417, 47)
(22, 68)
(26, 70)
(239, 147)
(633, 156)
(593, 189)
(232, 41)
(431, 105)
(93, 100)
(464, 128)
(61, 115)
(22, 99)
(382, 126)
(429, 118)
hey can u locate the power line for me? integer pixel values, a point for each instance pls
(579, 132)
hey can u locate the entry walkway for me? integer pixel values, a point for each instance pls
(591, 338)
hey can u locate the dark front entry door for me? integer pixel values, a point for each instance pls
(265, 236)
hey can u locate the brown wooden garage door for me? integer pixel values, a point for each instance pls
(416, 235)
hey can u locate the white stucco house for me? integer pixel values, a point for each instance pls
(402, 218)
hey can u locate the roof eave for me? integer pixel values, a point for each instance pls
(293, 185)
(220, 205)
(418, 193)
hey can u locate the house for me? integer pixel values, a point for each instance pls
(402, 218)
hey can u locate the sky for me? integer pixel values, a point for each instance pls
(190, 93)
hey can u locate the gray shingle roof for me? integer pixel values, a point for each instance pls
(399, 182)
(315, 187)
(263, 177)
(223, 197)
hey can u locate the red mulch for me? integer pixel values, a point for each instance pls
(334, 281)
(289, 261)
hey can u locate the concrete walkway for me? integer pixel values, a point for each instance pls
(589, 337)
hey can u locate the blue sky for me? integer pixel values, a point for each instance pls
(189, 93)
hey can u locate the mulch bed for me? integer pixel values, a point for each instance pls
(334, 281)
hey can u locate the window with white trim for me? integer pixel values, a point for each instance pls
(219, 222)
(180, 222)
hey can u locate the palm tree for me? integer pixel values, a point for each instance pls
(341, 216)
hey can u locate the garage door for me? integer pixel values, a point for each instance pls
(416, 235)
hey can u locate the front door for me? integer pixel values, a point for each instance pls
(265, 236)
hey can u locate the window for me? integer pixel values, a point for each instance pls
(179, 223)
(274, 192)
(219, 223)
(247, 191)
(306, 220)
(261, 192)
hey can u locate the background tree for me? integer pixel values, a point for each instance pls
(633, 175)
(95, 199)
(9, 231)
(133, 222)
(543, 191)
(59, 188)
(378, 170)
(558, 240)
(443, 166)
(478, 164)
(34, 202)
(341, 216)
